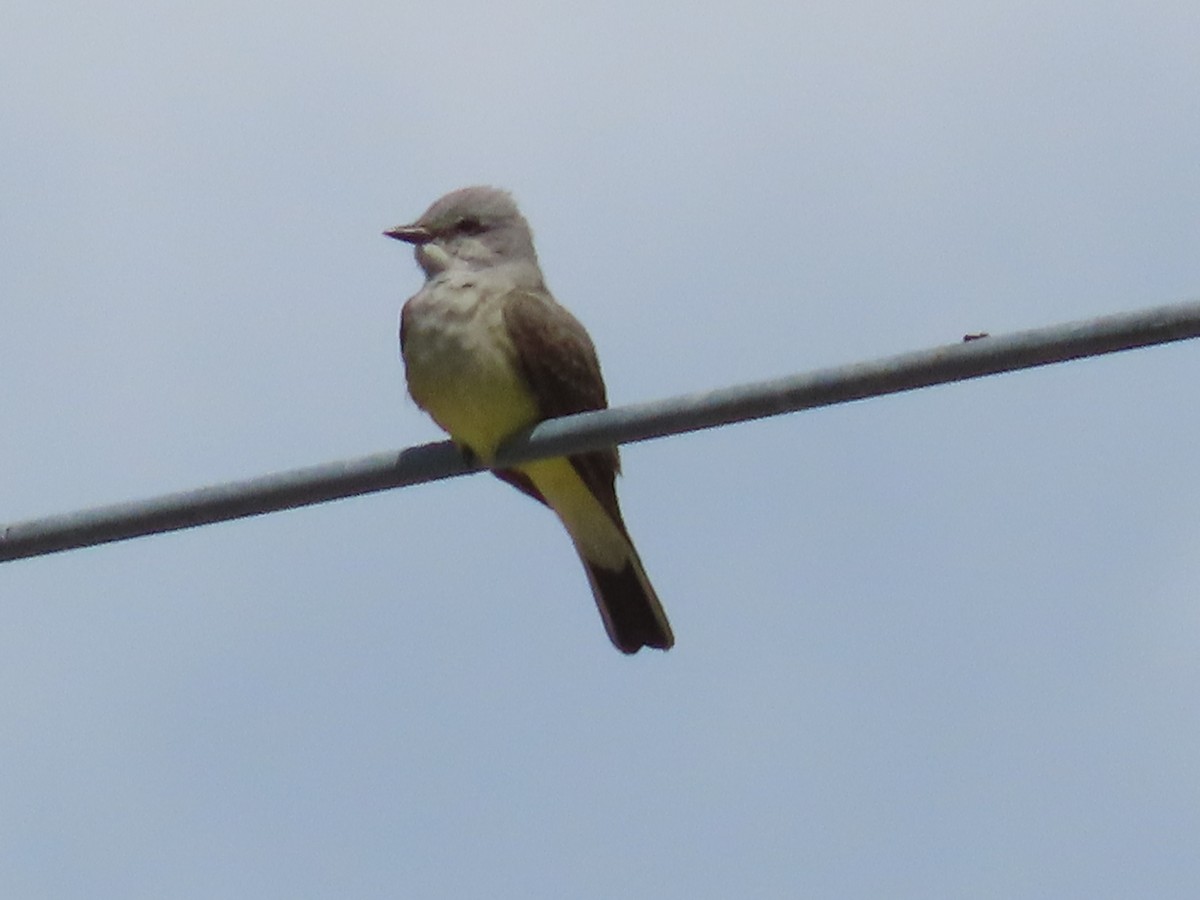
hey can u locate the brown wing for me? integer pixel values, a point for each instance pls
(558, 361)
(404, 314)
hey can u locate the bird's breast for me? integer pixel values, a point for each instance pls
(461, 364)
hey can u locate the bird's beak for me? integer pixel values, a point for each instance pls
(411, 234)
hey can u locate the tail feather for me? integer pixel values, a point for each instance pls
(588, 509)
(632, 614)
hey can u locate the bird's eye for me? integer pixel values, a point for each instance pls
(468, 225)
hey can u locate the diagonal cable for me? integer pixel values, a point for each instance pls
(603, 428)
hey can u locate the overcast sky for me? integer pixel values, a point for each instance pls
(942, 644)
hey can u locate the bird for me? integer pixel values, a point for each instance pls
(488, 352)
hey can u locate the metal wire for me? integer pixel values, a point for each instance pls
(976, 356)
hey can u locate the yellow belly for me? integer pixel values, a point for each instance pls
(461, 369)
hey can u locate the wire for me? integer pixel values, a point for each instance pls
(974, 357)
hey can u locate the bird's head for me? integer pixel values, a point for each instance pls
(474, 227)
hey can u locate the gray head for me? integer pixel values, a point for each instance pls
(474, 227)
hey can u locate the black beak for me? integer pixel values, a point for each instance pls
(410, 234)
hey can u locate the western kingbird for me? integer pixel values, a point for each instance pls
(488, 352)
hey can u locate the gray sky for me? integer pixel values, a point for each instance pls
(943, 644)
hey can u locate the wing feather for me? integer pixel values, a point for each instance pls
(558, 361)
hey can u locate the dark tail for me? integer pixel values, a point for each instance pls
(629, 607)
